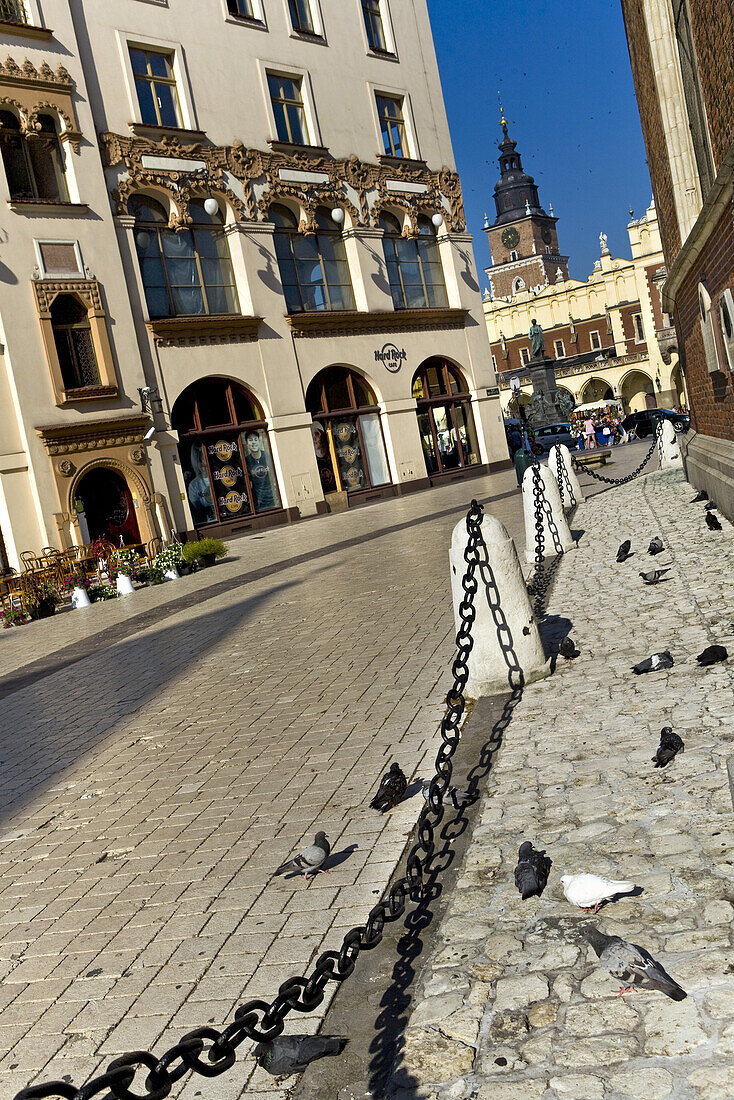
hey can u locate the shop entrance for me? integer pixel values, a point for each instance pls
(106, 508)
(347, 433)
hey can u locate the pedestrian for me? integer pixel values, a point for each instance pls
(589, 432)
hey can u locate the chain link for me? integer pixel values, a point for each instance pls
(210, 1052)
(565, 488)
(544, 570)
(657, 442)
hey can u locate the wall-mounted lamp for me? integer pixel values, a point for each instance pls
(150, 433)
(150, 399)
(437, 220)
(337, 215)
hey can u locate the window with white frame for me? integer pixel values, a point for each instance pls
(525, 356)
(494, 362)
(302, 16)
(34, 163)
(155, 85)
(513, 255)
(639, 328)
(726, 318)
(392, 125)
(708, 334)
(375, 25)
(286, 97)
(595, 340)
(559, 348)
(246, 11)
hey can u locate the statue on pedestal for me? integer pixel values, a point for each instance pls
(537, 342)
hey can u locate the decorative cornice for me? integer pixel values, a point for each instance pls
(46, 290)
(28, 75)
(353, 322)
(356, 186)
(88, 393)
(195, 331)
(86, 435)
(24, 30)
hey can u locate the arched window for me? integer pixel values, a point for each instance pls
(225, 452)
(185, 273)
(34, 163)
(347, 434)
(518, 284)
(313, 269)
(413, 266)
(445, 418)
(74, 344)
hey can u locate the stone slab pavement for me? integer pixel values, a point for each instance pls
(511, 1005)
(162, 755)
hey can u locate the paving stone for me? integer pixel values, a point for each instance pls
(578, 1086)
(653, 1084)
(673, 1027)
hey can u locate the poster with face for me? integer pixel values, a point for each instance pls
(197, 484)
(260, 470)
(323, 457)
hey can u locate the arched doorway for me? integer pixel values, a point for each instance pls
(596, 389)
(638, 392)
(106, 508)
(347, 432)
(225, 453)
(445, 418)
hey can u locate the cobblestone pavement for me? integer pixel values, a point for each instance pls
(167, 753)
(512, 1006)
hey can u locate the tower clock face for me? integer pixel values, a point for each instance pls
(510, 237)
(547, 235)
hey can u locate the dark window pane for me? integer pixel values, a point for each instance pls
(296, 124)
(138, 61)
(245, 409)
(167, 104)
(373, 24)
(260, 470)
(212, 403)
(146, 102)
(281, 123)
(241, 7)
(160, 64)
(16, 166)
(301, 15)
(46, 164)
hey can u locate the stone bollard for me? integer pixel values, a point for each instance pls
(670, 456)
(489, 662)
(562, 540)
(576, 496)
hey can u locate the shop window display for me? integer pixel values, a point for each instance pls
(225, 453)
(347, 433)
(445, 418)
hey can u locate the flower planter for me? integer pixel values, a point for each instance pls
(44, 609)
(80, 598)
(206, 560)
(172, 575)
(124, 585)
(184, 569)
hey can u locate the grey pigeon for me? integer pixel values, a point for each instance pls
(391, 790)
(656, 546)
(567, 648)
(456, 797)
(310, 859)
(700, 495)
(288, 1054)
(531, 873)
(654, 663)
(670, 744)
(624, 551)
(712, 654)
(712, 522)
(632, 964)
(654, 575)
(710, 507)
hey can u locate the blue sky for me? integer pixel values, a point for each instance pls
(563, 70)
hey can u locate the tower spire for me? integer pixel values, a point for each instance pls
(503, 120)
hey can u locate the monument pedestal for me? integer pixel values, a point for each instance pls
(548, 404)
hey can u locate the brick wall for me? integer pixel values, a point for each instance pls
(652, 123)
(711, 395)
(653, 291)
(504, 276)
(560, 332)
(712, 24)
(631, 344)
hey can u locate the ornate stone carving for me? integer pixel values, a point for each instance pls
(65, 467)
(87, 290)
(27, 73)
(93, 435)
(57, 87)
(367, 182)
(137, 455)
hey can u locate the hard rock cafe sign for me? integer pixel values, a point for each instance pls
(392, 357)
(228, 475)
(223, 449)
(233, 501)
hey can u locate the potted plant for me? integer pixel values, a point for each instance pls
(204, 552)
(78, 584)
(99, 593)
(171, 562)
(41, 600)
(13, 616)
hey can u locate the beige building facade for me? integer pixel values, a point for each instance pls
(609, 334)
(260, 301)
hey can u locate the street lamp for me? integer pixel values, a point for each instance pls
(337, 215)
(437, 220)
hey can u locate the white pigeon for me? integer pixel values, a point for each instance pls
(589, 891)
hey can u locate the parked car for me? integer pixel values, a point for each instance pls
(551, 434)
(641, 423)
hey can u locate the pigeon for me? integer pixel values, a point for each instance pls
(589, 891)
(288, 1054)
(567, 648)
(391, 790)
(652, 664)
(656, 546)
(456, 797)
(531, 873)
(670, 744)
(710, 507)
(712, 654)
(310, 859)
(624, 551)
(700, 495)
(654, 575)
(631, 963)
(712, 522)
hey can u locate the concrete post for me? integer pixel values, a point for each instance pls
(556, 533)
(577, 495)
(505, 634)
(670, 455)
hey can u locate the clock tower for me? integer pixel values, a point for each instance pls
(522, 240)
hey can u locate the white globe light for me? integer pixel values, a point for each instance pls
(142, 239)
(211, 206)
(437, 220)
(338, 215)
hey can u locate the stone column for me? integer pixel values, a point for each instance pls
(670, 453)
(505, 633)
(556, 532)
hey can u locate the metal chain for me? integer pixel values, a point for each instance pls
(565, 488)
(543, 574)
(629, 477)
(210, 1052)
